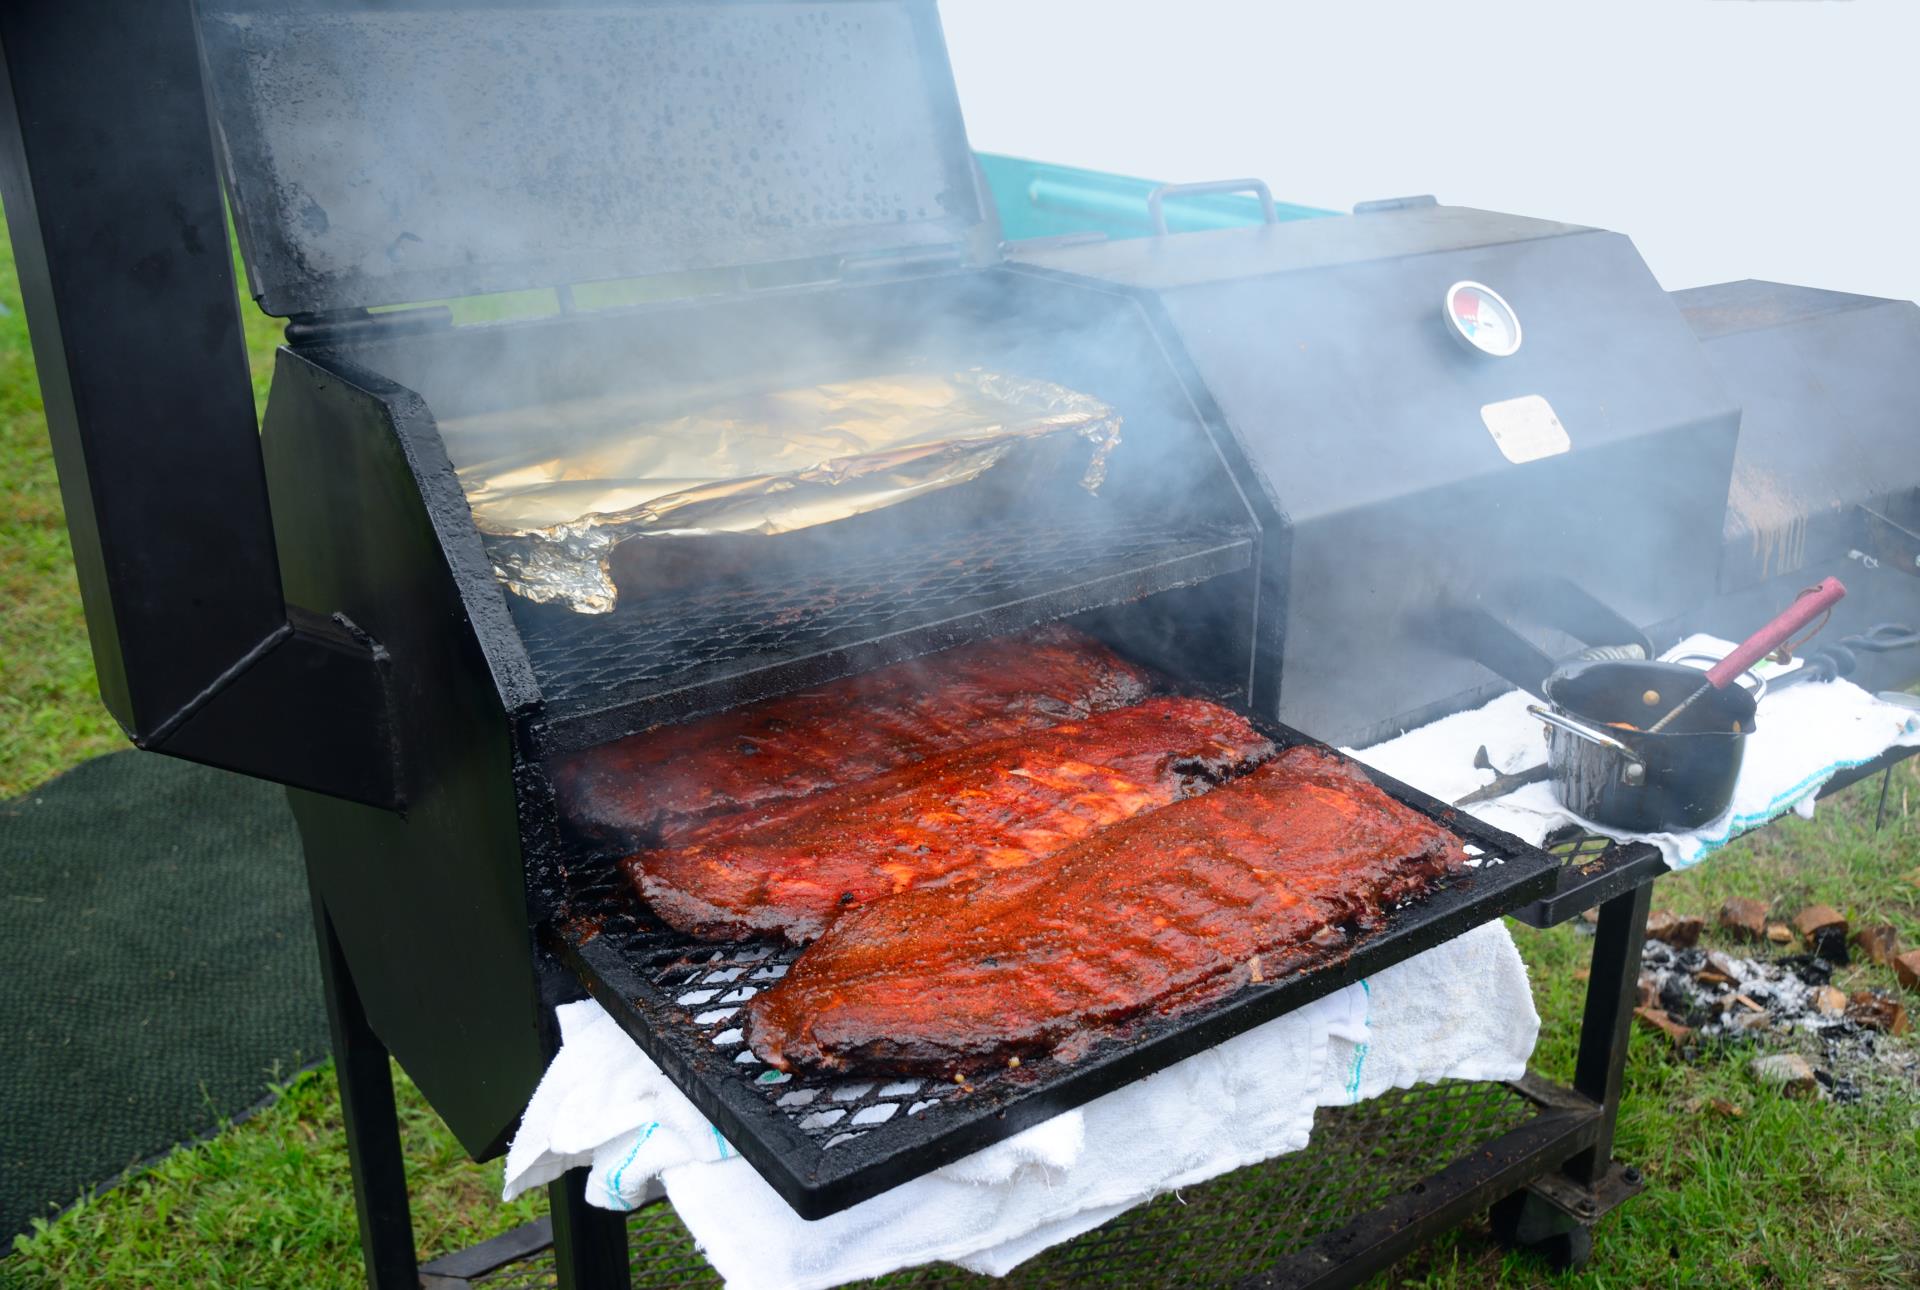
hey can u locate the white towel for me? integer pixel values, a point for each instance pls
(1462, 1009)
(1803, 737)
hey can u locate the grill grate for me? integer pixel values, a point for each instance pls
(1215, 1234)
(674, 654)
(825, 1142)
(709, 986)
(1572, 845)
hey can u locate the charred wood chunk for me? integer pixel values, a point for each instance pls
(1791, 1073)
(1676, 930)
(1746, 918)
(1717, 970)
(1880, 944)
(1817, 922)
(1662, 1022)
(1876, 1011)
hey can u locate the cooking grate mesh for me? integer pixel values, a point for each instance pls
(1215, 1234)
(825, 1142)
(1576, 846)
(676, 653)
(710, 985)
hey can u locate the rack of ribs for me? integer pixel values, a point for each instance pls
(793, 867)
(1166, 912)
(651, 786)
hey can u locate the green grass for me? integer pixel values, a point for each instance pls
(1792, 1193)
(50, 713)
(268, 1202)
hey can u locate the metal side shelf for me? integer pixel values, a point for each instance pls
(1595, 869)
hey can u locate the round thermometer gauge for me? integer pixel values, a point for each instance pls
(1481, 318)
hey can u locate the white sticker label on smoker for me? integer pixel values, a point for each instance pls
(1525, 428)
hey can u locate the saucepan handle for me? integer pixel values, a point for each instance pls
(1809, 606)
(1580, 730)
(1759, 687)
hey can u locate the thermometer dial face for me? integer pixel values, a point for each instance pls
(1478, 316)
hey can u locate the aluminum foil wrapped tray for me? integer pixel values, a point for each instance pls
(555, 489)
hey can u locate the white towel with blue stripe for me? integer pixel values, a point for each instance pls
(1803, 737)
(1460, 1010)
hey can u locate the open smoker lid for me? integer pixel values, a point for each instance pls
(380, 153)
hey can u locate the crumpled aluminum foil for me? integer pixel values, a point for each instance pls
(554, 489)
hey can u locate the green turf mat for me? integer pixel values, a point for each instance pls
(157, 969)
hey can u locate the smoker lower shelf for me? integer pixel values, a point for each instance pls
(1430, 1150)
(827, 1142)
(677, 654)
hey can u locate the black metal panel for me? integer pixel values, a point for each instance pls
(828, 1142)
(430, 907)
(121, 243)
(148, 416)
(1613, 988)
(381, 153)
(1361, 422)
(367, 1119)
(1829, 392)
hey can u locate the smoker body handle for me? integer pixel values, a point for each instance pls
(120, 235)
(1157, 215)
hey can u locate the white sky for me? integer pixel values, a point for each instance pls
(1729, 138)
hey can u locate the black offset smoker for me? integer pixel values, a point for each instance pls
(788, 192)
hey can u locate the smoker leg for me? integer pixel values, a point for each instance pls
(1613, 986)
(1528, 1221)
(589, 1244)
(373, 1128)
(1554, 1215)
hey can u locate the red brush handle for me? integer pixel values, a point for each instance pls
(1808, 607)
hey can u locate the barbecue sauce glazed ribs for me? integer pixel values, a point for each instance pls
(793, 867)
(652, 786)
(1166, 912)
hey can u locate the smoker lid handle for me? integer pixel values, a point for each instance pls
(1156, 199)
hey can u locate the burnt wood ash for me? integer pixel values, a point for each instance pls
(1788, 1002)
